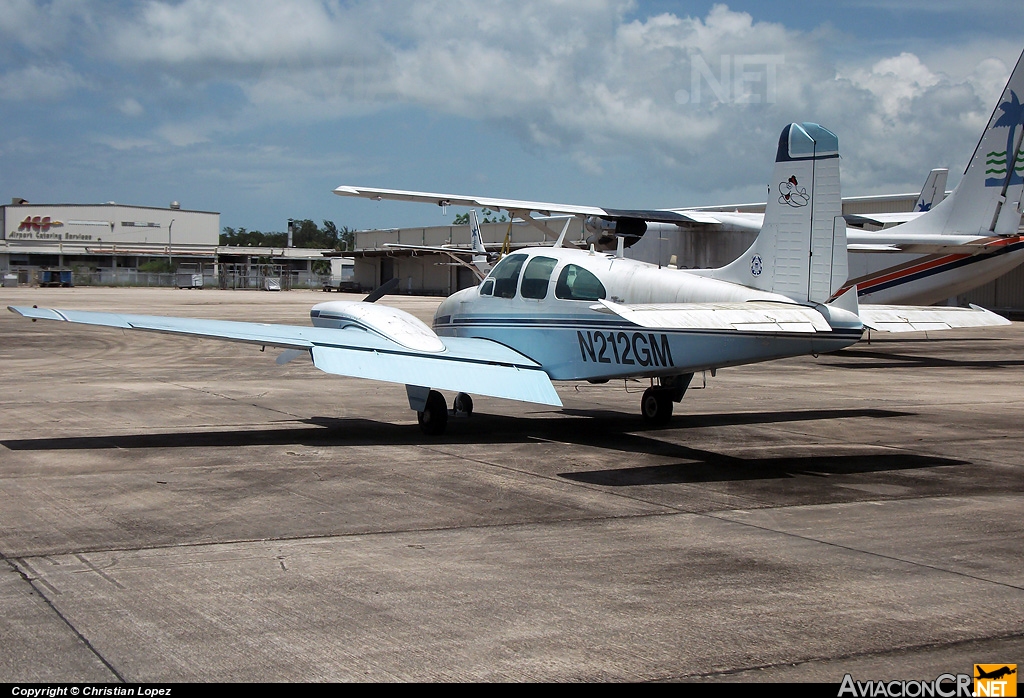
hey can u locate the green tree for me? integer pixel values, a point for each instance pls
(489, 216)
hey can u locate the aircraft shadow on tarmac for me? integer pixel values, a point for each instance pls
(599, 428)
(885, 359)
(595, 429)
(715, 467)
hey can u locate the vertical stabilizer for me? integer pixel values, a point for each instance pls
(933, 191)
(474, 231)
(987, 201)
(480, 261)
(801, 249)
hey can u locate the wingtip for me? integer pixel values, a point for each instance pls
(1001, 319)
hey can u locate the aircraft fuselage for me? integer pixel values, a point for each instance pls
(550, 312)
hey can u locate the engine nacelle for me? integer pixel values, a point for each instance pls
(390, 323)
(604, 232)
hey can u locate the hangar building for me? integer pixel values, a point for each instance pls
(36, 236)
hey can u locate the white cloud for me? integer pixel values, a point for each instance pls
(130, 107)
(40, 83)
(579, 78)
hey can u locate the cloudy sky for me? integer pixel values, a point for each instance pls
(258, 108)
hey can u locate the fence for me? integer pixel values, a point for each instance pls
(227, 280)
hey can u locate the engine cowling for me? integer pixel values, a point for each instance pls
(390, 323)
(604, 232)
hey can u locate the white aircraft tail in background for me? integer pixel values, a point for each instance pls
(969, 238)
(933, 191)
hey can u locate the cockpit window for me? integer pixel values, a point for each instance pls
(487, 288)
(506, 275)
(536, 277)
(577, 284)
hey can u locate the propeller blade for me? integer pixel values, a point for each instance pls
(383, 290)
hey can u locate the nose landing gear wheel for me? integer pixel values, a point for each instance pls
(656, 406)
(434, 417)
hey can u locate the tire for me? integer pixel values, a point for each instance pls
(434, 417)
(656, 406)
(463, 404)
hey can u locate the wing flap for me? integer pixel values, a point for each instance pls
(741, 317)
(507, 381)
(904, 318)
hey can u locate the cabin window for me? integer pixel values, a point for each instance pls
(487, 288)
(536, 277)
(506, 275)
(577, 284)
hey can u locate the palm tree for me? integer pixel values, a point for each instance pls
(1013, 114)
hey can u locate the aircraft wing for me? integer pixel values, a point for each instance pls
(468, 365)
(527, 209)
(428, 248)
(881, 218)
(909, 318)
(732, 219)
(918, 243)
(750, 316)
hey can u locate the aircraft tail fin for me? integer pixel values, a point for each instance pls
(474, 231)
(480, 260)
(988, 198)
(801, 249)
(933, 191)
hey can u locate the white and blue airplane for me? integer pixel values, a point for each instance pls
(566, 314)
(967, 239)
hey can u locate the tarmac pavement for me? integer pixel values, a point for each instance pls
(174, 509)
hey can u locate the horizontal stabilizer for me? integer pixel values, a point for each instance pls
(752, 316)
(908, 318)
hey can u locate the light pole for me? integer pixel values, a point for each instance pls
(170, 264)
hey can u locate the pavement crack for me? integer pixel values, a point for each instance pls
(720, 516)
(40, 586)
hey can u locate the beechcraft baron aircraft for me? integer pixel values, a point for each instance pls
(968, 239)
(559, 313)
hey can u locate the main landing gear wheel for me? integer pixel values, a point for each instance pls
(656, 406)
(434, 417)
(463, 404)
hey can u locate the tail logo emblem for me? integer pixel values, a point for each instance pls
(756, 266)
(998, 163)
(792, 194)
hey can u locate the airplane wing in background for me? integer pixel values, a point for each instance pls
(881, 218)
(461, 364)
(526, 209)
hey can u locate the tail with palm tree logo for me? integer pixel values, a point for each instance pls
(988, 199)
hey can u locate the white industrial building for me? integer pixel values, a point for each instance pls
(102, 236)
(108, 243)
